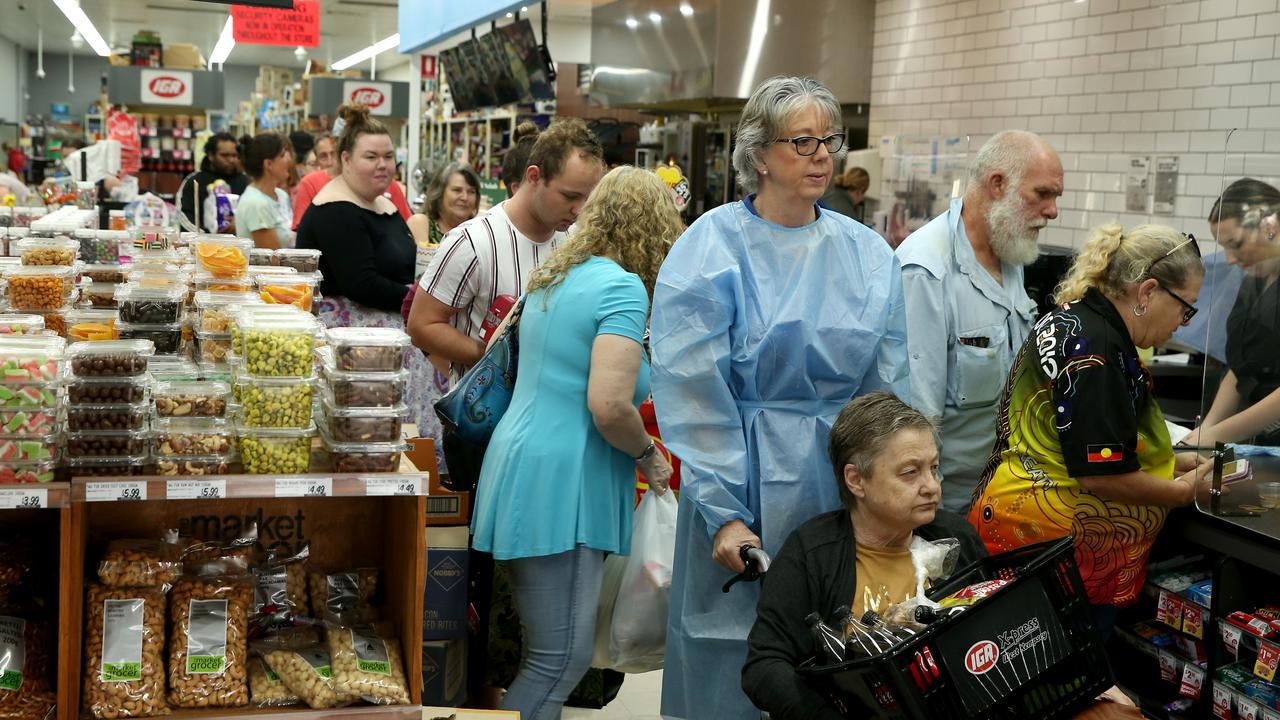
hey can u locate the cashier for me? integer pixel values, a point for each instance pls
(1082, 448)
(1246, 407)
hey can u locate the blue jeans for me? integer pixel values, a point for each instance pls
(556, 597)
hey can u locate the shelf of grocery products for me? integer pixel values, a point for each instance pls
(218, 487)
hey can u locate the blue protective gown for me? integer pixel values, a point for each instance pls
(760, 335)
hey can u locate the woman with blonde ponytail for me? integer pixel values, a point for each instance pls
(1082, 448)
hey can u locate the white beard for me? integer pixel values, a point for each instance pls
(1013, 238)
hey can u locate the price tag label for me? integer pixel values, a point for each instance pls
(24, 498)
(1268, 658)
(1246, 708)
(1169, 610)
(1221, 701)
(304, 487)
(1231, 637)
(1193, 620)
(1168, 666)
(1192, 681)
(392, 486)
(201, 489)
(115, 491)
(1269, 714)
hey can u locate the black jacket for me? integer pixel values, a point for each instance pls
(815, 571)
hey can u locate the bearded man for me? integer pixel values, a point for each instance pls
(967, 310)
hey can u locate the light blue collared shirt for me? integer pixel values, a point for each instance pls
(963, 332)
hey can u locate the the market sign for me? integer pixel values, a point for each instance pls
(271, 26)
(166, 87)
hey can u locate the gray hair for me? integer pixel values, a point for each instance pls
(1008, 152)
(439, 181)
(765, 117)
(863, 428)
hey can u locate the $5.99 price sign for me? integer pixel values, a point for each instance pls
(115, 491)
(202, 489)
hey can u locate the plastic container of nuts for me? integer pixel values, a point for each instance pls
(376, 424)
(170, 368)
(193, 464)
(214, 309)
(366, 390)
(108, 390)
(99, 294)
(277, 346)
(55, 321)
(261, 256)
(142, 305)
(114, 358)
(357, 457)
(199, 398)
(361, 349)
(46, 251)
(301, 259)
(190, 436)
(106, 466)
(275, 402)
(270, 451)
(104, 272)
(167, 338)
(89, 418)
(39, 287)
(107, 444)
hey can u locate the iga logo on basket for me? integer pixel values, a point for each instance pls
(981, 657)
(167, 86)
(372, 97)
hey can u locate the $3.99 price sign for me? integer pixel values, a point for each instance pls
(24, 498)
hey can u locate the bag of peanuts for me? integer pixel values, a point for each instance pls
(267, 688)
(25, 650)
(140, 563)
(208, 645)
(344, 598)
(280, 588)
(124, 652)
(367, 665)
(216, 557)
(308, 672)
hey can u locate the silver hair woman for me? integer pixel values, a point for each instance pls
(453, 197)
(769, 314)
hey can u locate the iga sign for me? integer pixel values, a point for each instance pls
(269, 26)
(166, 87)
(377, 96)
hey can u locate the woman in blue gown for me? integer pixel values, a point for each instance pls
(768, 316)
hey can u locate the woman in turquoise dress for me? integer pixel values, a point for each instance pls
(556, 491)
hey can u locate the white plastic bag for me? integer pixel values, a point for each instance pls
(638, 632)
(614, 566)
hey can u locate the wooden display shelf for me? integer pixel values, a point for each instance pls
(366, 520)
(35, 496)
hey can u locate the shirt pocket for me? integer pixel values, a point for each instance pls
(979, 375)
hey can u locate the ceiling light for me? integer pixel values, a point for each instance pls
(300, 53)
(383, 45)
(82, 24)
(655, 18)
(226, 43)
(524, 8)
(633, 23)
(510, 15)
(686, 9)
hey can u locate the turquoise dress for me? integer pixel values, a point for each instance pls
(550, 481)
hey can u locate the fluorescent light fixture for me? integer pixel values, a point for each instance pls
(72, 10)
(226, 43)
(686, 9)
(633, 23)
(655, 18)
(383, 45)
(510, 15)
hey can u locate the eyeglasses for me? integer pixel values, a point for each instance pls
(1189, 309)
(807, 145)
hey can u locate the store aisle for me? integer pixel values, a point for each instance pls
(639, 699)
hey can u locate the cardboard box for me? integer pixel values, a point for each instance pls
(444, 615)
(444, 672)
(183, 56)
(444, 507)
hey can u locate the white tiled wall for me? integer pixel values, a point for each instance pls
(1101, 80)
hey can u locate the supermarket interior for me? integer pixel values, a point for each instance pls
(960, 317)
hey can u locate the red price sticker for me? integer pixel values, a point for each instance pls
(1231, 637)
(1193, 620)
(1268, 658)
(1221, 701)
(1169, 610)
(1246, 709)
(1168, 666)
(1192, 681)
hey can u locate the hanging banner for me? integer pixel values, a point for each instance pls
(375, 95)
(166, 87)
(270, 26)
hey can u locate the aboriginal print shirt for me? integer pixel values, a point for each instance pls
(1078, 402)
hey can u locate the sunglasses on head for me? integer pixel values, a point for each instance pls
(1189, 311)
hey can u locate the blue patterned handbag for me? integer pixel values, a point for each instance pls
(481, 396)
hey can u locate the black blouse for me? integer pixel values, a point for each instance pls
(367, 257)
(1253, 336)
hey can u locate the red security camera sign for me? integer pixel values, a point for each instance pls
(166, 87)
(271, 26)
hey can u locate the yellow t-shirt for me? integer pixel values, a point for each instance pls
(886, 577)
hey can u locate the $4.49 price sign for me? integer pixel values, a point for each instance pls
(392, 486)
(304, 487)
(24, 498)
(115, 491)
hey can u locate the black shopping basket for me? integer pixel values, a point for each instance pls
(1027, 651)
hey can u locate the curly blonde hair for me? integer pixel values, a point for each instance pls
(1113, 260)
(629, 217)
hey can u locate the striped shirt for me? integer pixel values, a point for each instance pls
(479, 260)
